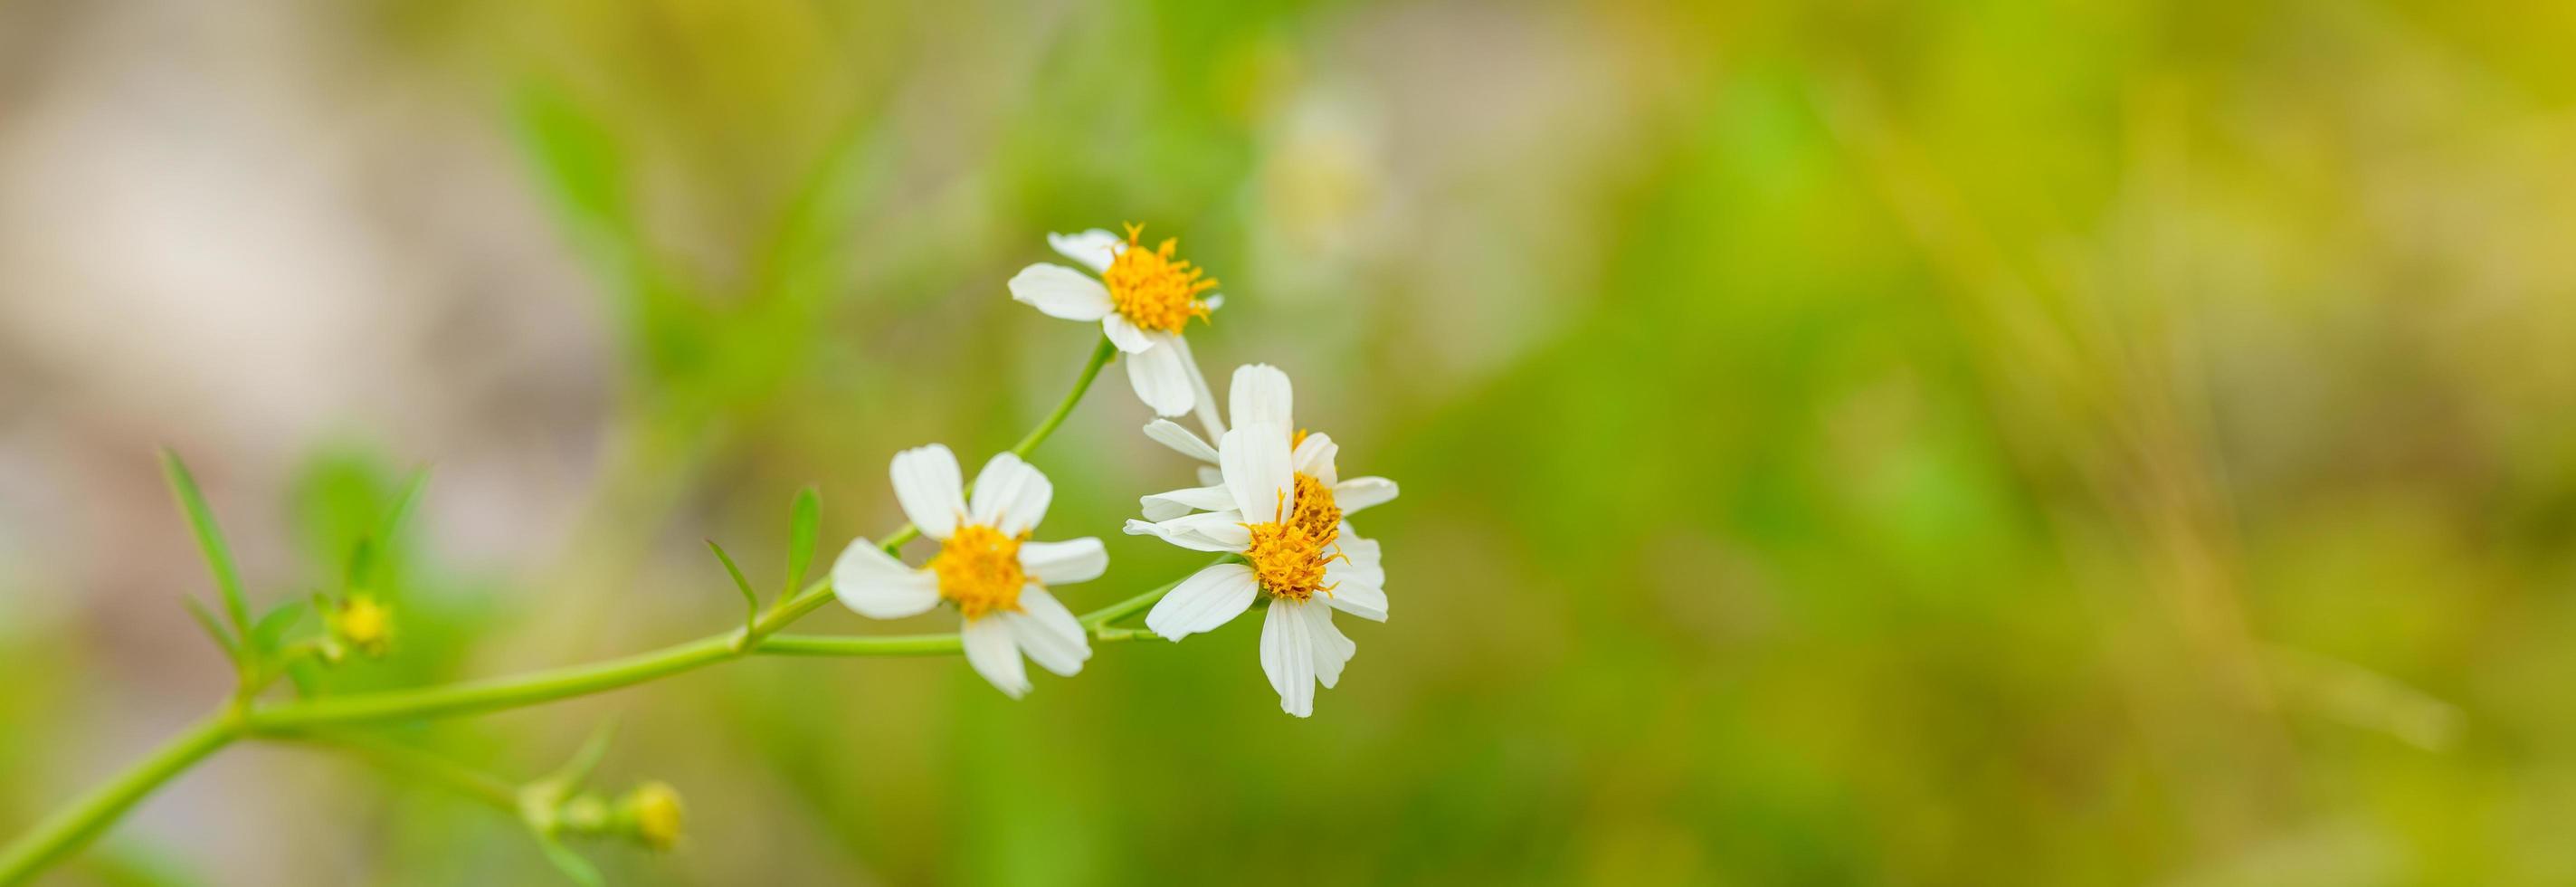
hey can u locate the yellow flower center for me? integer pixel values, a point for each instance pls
(1155, 291)
(656, 808)
(363, 624)
(1288, 554)
(979, 569)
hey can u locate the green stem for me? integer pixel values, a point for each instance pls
(868, 645)
(471, 697)
(1097, 619)
(73, 826)
(1100, 355)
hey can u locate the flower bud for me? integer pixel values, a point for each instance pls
(361, 624)
(652, 812)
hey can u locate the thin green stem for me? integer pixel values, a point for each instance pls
(471, 697)
(73, 826)
(1101, 617)
(861, 645)
(1100, 356)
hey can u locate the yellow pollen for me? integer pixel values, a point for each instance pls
(1155, 291)
(363, 624)
(1288, 554)
(979, 570)
(658, 816)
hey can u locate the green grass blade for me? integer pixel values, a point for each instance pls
(750, 599)
(572, 864)
(804, 524)
(403, 502)
(210, 538)
(214, 627)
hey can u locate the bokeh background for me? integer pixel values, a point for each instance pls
(1843, 443)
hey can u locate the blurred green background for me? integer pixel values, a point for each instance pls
(1842, 443)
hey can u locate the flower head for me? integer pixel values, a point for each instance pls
(360, 623)
(652, 810)
(986, 567)
(1280, 504)
(1143, 299)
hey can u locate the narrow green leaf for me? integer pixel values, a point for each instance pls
(571, 864)
(403, 502)
(750, 599)
(584, 760)
(214, 628)
(210, 539)
(368, 557)
(804, 524)
(271, 628)
(300, 673)
(362, 564)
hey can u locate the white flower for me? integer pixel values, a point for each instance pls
(1261, 395)
(986, 566)
(1142, 299)
(1280, 503)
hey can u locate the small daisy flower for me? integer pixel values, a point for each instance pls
(986, 566)
(1280, 505)
(1142, 299)
(1261, 394)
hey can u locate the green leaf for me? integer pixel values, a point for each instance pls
(362, 564)
(585, 759)
(403, 501)
(271, 628)
(580, 870)
(367, 557)
(210, 539)
(750, 599)
(804, 522)
(214, 628)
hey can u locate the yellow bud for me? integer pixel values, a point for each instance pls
(363, 624)
(654, 811)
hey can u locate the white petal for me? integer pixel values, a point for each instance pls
(1314, 458)
(1362, 492)
(1288, 657)
(1048, 633)
(1010, 495)
(1171, 434)
(1357, 598)
(1360, 558)
(993, 653)
(1066, 562)
(1058, 291)
(1094, 248)
(1216, 531)
(868, 580)
(1262, 396)
(1255, 459)
(1166, 506)
(1214, 301)
(1332, 649)
(1159, 377)
(1209, 598)
(926, 484)
(1358, 578)
(1201, 399)
(1125, 334)
(1210, 476)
